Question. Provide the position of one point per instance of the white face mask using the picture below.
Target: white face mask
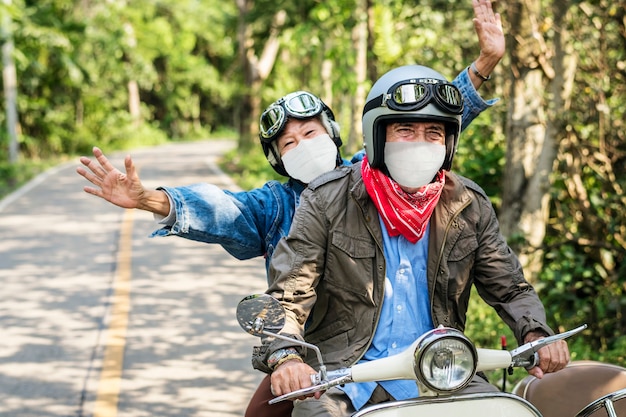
(311, 158)
(414, 164)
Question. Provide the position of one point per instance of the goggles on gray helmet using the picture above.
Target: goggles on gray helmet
(300, 105)
(415, 94)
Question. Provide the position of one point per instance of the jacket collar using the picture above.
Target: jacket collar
(453, 198)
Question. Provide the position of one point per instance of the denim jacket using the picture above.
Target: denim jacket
(246, 224)
(250, 223)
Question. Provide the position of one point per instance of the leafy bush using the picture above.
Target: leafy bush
(250, 170)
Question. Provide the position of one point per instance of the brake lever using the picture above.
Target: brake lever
(526, 355)
(303, 392)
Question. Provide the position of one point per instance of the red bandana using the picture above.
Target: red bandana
(402, 213)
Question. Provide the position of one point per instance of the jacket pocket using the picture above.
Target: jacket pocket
(463, 247)
(460, 263)
(354, 247)
(349, 270)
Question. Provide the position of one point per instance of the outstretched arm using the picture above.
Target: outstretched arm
(488, 26)
(123, 190)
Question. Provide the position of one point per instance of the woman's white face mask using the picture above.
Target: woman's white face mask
(311, 158)
(414, 164)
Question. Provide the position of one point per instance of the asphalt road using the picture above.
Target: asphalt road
(97, 319)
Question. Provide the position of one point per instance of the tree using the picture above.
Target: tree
(9, 80)
(360, 35)
(256, 70)
(531, 147)
(584, 276)
(566, 159)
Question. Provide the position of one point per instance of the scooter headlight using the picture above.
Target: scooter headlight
(445, 360)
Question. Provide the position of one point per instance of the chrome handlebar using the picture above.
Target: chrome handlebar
(526, 355)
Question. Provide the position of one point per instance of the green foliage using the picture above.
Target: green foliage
(74, 65)
(584, 274)
(481, 154)
(409, 34)
(250, 170)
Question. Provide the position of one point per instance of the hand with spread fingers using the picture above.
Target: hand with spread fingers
(122, 189)
(488, 26)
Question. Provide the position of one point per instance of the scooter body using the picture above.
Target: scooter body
(495, 404)
(442, 362)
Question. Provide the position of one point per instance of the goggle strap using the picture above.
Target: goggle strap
(373, 103)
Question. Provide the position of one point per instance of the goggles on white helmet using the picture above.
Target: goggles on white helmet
(300, 105)
(415, 94)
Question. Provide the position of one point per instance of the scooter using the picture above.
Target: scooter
(442, 362)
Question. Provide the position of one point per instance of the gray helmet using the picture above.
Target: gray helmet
(410, 93)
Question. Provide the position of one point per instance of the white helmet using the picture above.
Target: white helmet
(300, 105)
(410, 93)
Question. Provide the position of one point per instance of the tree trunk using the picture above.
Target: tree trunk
(327, 77)
(9, 79)
(372, 70)
(134, 101)
(359, 37)
(535, 125)
(256, 70)
(530, 152)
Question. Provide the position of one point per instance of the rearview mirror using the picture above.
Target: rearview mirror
(260, 312)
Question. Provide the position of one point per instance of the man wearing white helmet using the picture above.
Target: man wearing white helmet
(389, 248)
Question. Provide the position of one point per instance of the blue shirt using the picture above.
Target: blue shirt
(405, 314)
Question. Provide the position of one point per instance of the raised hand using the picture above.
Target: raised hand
(112, 185)
(488, 27)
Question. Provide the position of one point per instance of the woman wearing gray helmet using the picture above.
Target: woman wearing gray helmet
(385, 250)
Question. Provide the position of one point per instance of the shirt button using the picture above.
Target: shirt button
(399, 308)
(393, 345)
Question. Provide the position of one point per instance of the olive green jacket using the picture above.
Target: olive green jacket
(329, 272)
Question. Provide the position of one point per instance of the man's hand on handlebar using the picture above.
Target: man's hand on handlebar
(552, 357)
(291, 376)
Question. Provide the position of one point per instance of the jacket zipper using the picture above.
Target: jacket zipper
(445, 237)
(379, 308)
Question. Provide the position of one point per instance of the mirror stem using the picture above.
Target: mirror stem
(323, 372)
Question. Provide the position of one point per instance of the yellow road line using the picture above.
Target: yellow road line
(113, 361)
